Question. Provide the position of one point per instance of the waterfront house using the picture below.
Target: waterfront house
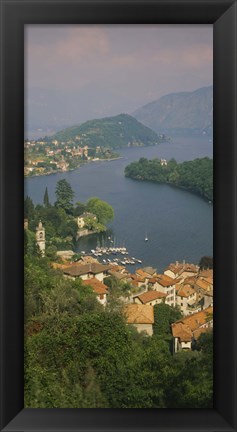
(140, 316)
(81, 219)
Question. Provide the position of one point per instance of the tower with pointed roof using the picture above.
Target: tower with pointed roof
(40, 238)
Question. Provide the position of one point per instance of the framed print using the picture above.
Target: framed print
(123, 47)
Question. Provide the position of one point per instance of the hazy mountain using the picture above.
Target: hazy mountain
(180, 113)
(120, 131)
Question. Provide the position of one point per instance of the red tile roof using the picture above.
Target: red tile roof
(181, 331)
(165, 280)
(149, 296)
(192, 324)
(184, 290)
(97, 286)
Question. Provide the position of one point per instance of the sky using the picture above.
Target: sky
(74, 73)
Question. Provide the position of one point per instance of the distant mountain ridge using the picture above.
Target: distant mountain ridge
(122, 130)
(180, 113)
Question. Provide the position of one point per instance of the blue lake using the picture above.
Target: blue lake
(179, 224)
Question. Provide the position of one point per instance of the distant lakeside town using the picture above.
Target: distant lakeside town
(44, 157)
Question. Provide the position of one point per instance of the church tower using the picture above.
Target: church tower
(40, 238)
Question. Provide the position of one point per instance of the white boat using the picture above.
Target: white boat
(146, 238)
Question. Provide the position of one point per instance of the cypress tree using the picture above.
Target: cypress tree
(46, 198)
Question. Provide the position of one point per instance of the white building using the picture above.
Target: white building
(40, 238)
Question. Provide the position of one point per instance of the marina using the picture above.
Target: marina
(100, 252)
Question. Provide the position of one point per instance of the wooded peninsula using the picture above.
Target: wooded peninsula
(195, 175)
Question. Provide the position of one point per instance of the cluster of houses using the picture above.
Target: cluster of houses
(182, 284)
(55, 153)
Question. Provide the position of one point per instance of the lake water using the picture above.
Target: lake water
(178, 224)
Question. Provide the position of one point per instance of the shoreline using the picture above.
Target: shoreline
(72, 169)
(174, 186)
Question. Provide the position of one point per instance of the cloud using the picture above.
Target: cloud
(133, 59)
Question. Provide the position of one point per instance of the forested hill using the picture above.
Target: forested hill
(196, 175)
(120, 131)
(180, 113)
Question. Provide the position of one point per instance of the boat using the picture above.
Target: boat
(146, 238)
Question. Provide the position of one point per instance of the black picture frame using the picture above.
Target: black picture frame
(14, 15)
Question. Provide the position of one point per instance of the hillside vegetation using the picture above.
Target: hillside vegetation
(180, 113)
(79, 354)
(114, 132)
(196, 175)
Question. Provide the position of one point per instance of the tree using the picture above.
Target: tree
(102, 210)
(79, 209)
(164, 316)
(206, 262)
(46, 198)
(64, 194)
(29, 209)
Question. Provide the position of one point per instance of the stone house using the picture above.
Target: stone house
(81, 219)
(140, 316)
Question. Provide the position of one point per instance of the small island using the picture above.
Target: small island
(195, 176)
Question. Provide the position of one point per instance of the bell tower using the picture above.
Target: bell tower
(40, 238)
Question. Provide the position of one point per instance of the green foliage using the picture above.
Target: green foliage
(46, 198)
(64, 195)
(206, 262)
(110, 132)
(81, 355)
(164, 316)
(59, 220)
(30, 245)
(51, 252)
(79, 209)
(29, 209)
(102, 210)
(196, 175)
(92, 225)
(191, 382)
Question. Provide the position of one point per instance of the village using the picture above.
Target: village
(183, 286)
(46, 156)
